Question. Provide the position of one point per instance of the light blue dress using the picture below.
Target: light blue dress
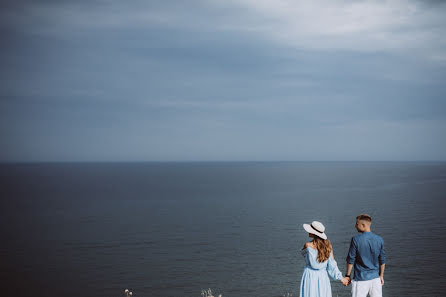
(315, 281)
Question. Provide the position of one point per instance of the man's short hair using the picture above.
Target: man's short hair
(364, 217)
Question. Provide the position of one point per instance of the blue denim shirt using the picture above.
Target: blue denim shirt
(366, 254)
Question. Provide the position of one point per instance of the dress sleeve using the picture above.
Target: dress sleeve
(333, 270)
(314, 263)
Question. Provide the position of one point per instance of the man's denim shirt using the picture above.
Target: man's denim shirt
(366, 253)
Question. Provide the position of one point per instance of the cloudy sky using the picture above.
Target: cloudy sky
(222, 80)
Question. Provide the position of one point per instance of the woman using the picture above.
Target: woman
(319, 264)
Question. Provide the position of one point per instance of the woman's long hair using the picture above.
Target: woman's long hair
(323, 247)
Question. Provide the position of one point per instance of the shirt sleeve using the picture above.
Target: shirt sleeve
(351, 257)
(333, 270)
(382, 255)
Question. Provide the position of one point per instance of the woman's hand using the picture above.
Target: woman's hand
(345, 281)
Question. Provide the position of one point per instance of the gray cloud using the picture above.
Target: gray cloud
(211, 80)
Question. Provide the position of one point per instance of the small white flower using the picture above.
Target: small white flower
(126, 291)
(131, 293)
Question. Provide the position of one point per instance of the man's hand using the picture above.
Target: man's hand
(382, 280)
(345, 281)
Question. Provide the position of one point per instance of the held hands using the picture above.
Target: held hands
(346, 281)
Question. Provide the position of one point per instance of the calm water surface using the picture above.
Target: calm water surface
(173, 229)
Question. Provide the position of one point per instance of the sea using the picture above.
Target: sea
(175, 229)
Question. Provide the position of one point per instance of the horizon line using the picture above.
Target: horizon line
(217, 161)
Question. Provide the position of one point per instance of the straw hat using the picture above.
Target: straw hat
(316, 228)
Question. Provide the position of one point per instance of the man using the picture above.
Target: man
(367, 256)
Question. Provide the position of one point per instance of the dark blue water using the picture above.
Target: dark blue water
(173, 229)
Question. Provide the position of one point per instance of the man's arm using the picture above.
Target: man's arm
(349, 272)
(351, 257)
(381, 273)
(349, 269)
(382, 263)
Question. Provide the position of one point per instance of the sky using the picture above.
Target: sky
(232, 80)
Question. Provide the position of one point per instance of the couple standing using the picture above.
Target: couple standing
(366, 255)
